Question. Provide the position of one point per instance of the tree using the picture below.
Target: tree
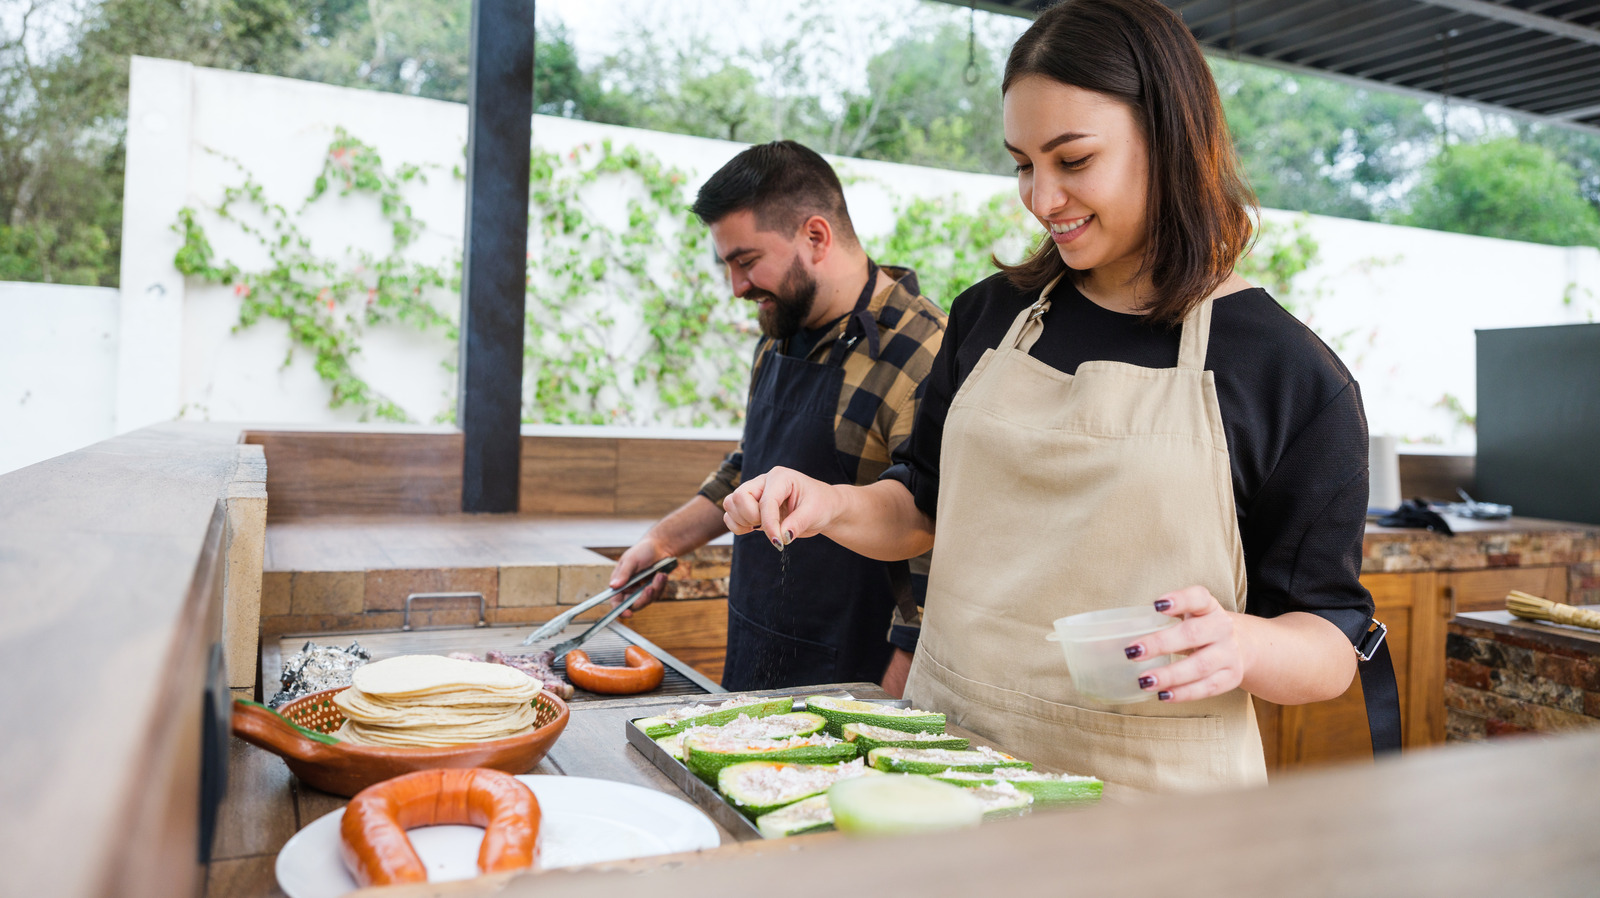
(920, 109)
(1316, 145)
(1504, 188)
(63, 110)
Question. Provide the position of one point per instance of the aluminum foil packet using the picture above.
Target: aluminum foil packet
(318, 667)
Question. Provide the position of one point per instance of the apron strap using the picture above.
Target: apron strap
(1380, 690)
(1196, 336)
(1027, 327)
(860, 320)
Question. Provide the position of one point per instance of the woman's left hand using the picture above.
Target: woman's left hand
(1215, 660)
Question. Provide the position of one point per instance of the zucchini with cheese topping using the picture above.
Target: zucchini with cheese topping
(706, 752)
(1046, 788)
(840, 711)
(866, 737)
(939, 760)
(809, 816)
(680, 719)
(757, 788)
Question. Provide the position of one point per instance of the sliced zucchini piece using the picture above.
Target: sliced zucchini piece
(938, 760)
(841, 711)
(778, 726)
(673, 745)
(1002, 800)
(680, 719)
(873, 805)
(866, 736)
(757, 788)
(809, 816)
(1046, 788)
(705, 754)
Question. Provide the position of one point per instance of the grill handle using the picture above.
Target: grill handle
(405, 622)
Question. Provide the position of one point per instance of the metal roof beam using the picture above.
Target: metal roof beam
(1572, 115)
(1529, 20)
(1430, 96)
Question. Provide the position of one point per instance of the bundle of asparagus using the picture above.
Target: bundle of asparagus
(1534, 608)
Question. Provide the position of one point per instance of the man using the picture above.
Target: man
(833, 391)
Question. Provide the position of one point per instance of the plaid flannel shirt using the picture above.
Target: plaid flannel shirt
(895, 340)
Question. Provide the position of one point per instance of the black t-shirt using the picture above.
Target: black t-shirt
(800, 345)
(1297, 435)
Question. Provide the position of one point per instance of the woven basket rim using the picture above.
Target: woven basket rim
(545, 697)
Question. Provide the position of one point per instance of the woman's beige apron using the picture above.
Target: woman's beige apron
(1062, 493)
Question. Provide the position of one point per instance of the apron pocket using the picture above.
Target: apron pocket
(1159, 754)
(762, 658)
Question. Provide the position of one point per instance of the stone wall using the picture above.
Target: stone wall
(1512, 679)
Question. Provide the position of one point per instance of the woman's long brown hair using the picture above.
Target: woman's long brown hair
(1197, 217)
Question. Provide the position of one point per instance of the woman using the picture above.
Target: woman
(1119, 419)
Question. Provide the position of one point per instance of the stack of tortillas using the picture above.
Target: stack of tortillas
(428, 700)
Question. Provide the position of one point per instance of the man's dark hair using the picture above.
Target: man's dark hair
(783, 183)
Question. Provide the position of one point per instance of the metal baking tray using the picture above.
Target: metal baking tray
(705, 797)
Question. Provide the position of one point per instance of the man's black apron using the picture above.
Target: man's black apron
(821, 614)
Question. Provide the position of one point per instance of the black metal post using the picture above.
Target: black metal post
(499, 132)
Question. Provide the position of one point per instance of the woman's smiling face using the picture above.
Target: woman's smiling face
(1083, 170)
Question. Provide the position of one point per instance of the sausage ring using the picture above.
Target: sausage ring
(643, 673)
(372, 835)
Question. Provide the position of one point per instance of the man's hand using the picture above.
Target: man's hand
(643, 553)
(894, 678)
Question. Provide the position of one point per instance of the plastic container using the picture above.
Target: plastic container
(1094, 642)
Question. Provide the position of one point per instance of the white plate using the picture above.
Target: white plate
(582, 821)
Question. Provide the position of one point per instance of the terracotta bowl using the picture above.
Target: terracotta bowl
(345, 769)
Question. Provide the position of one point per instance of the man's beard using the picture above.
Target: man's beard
(791, 304)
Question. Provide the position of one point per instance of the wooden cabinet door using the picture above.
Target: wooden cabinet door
(1486, 590)
(1336, 730)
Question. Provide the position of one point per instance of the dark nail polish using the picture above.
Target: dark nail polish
(1146, 682)
(1133, 651)
(788, 536)
(1164, 695)
(777, 545)
(1163, 604)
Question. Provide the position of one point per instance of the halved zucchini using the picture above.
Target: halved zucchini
(1046, 788)
(757, 788)
(705, 755)
(866, 736)
(809, 816)
(841, 711)
(939, 760)
(777, 726)
(680, 719)
(899, 804)
(1002, 800)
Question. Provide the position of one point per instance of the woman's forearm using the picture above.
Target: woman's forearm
(1295, 658)
(880, 521)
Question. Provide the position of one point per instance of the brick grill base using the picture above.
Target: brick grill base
(1506, 677)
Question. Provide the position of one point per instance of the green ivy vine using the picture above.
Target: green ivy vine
(326, 302)
(625, 323)
(682, 366)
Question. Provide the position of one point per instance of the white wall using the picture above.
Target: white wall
(58, 360)
(1400, 304)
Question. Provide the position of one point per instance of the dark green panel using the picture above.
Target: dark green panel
(1539, 420)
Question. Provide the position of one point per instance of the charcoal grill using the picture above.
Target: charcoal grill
(606, 647)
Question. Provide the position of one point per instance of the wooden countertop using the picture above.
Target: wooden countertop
(106, 608)
(1533, 633)
(1511, 818)
(266, 805)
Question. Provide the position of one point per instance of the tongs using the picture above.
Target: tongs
(560, 649)
(560, 621)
